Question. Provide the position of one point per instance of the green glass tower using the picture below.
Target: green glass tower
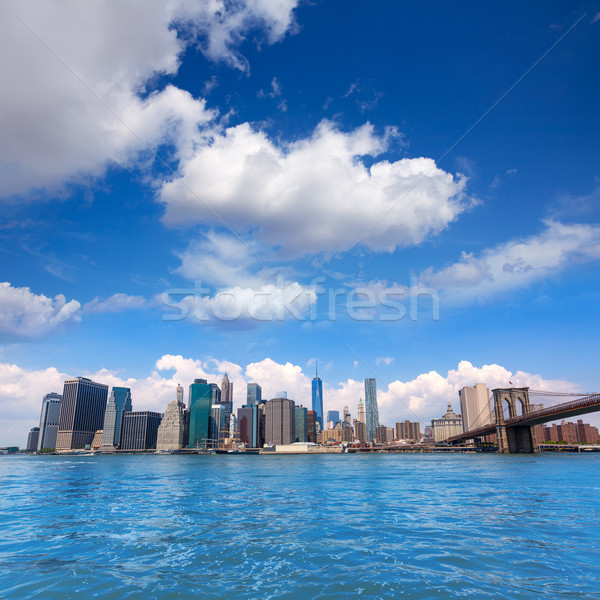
(199, 410)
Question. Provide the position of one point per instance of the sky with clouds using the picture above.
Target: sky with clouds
(410, 193)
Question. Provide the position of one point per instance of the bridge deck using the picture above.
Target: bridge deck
(560, 411)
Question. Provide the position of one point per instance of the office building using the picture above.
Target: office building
(227, 402)
(119, 402)
(32, 439)
(139, 430)
(215, 393)
(408, 430)
(199, 405)
(361, 411)
(81, 413)
(171, 434)
(347, 416)
(333, 417)
(311, 426)
(317, 398)
(280, 421)
(475, 406)
(219, 421)
(49, 421)
(245, 425)
(371, 409)
(450, 424)
(179, 395)
(301, 424)
(253, 394)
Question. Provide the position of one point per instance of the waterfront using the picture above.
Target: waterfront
(371, 526)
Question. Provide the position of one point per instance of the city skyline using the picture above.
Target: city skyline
(179, 203)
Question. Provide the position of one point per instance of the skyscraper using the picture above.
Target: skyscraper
(227, 401)
(199, 413)
(475, 406)
(333, 416)
(81, 413)
(139, 430)
(347, 417)
(49, 421)
(215, 393)
(280, 421)
(172, 428)
(179, 395)
(253, 394)
(301, 424)
(317, 397)
(119, 402)
(361, 411)
(218, 422)
(32, 439)
(371, 409)
(311, 426)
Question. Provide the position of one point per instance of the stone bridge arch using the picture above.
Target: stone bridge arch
(516, 438)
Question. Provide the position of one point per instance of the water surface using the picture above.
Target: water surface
(405, 526)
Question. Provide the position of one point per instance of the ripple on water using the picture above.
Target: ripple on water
(397, 526)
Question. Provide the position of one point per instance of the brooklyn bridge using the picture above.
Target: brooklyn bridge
(514, 431)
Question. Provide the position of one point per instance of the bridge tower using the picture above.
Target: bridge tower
(513, 439)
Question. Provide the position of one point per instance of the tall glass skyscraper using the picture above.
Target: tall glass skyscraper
(119, 402)
(199, 411)
(317, 399)
(371, 409)
(253, 394)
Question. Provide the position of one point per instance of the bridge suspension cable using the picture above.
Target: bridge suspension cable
(561, 394)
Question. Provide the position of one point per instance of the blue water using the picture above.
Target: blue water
(381, 526)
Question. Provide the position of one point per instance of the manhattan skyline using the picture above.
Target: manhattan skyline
(164, 167)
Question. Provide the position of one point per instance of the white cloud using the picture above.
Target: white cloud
(72, 77)
(23, 313)
(517, 263)
(314, 194)
(116, 303)
(384, 360)
(422, 398)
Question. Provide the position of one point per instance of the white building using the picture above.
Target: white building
(475, 406)
(450, 424)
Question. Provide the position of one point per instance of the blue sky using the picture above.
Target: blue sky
(288, 158)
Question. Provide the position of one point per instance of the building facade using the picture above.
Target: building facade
(81, 413)
(371, 409)
(301, 424)
(32, 439)
(475, 406)
(139, 430)
(333, 417)
(172, 429)
(280, 421)
(253, 394)
(199, 399)
(227, 402)
(361, 411)
(311, 426)
(49, 421)
(119, 402)
(360, 431)
(571, 433)
(381, 434)
(450, 424)
(408, 430)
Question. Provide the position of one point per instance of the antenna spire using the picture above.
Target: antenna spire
(316, 369)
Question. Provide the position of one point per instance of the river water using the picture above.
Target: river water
(408, 526)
